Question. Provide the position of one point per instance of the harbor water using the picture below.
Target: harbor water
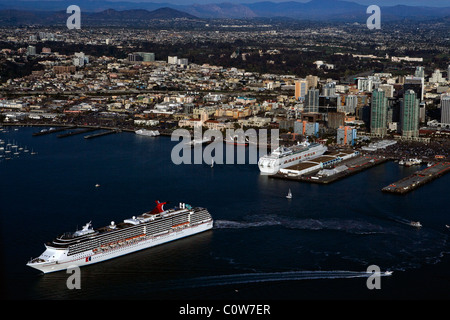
(317, 245)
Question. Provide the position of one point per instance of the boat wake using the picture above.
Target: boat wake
(346, 225)
(243, 278)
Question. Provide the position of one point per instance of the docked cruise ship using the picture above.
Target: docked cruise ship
(88, 245)
(145, 132)
(283, 157)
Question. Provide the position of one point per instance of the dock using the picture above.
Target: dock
(52, 130)
(73, 133)
(323, 170)
(100, 134)
(418, 178)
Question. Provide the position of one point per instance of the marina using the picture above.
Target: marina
(418, 178)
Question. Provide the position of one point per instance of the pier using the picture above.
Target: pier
(100, 134)
(318, 171)
(418, 178)
(52, 130)
(72, 133)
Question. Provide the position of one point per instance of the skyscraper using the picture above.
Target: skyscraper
(378, 113)
(409, 114)
(312, 101)
(416, 84)
(351, 103)
(329, 89)
(420, 72)
(312, 81)
(445, 109)
(301, 87)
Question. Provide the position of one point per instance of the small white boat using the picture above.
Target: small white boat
(388, 273)
(97, 185)
(416, 224)
(289, 195)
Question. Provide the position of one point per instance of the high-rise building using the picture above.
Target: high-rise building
(312, 101)
(147, 56)
(183, 62)
(420, 72)
(306, 128)
(329, 89)
(445, 109)
(436, 77)
(416, 84)
(312, 81)
(365, 84)
(422, 112)
(346, 135)
(31, 50)
(80, 59)
(378, 113)
(134, 57)
(409, 114)
(351, 103)
(388, 89)
(172, 60)
(301, 87)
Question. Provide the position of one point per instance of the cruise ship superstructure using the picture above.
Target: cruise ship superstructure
(149, 133)
(283, 157)
(88, 246)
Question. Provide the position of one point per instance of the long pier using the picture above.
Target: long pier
(348, 167)
(72, 133)
(418, 178)
(100, 134)
(52, 130)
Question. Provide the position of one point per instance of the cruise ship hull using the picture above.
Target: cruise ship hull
(91, 257)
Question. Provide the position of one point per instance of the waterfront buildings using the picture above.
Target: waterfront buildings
(346, 135)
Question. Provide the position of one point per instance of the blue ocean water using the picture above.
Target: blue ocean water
(317, 245)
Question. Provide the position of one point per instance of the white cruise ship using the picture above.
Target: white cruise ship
(283, 157)
(145, 132)
(89, 246)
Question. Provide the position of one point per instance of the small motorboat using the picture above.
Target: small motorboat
(416, 224)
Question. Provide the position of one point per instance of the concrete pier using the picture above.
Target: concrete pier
(418, 178)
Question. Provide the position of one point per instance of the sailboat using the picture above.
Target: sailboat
(289, 195)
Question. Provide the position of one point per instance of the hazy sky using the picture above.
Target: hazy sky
(434, 3)
(429, 3)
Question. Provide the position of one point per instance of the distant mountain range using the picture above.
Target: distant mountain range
(15, 12)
